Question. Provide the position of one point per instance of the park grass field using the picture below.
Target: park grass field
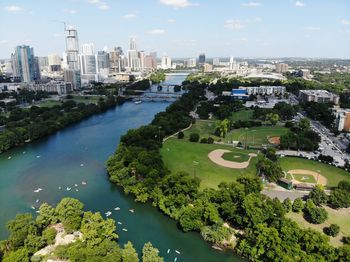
(243, 115)
(86, 99)
(235, 156)
(49, 103)
(256, 136)
(182, 155)
(204, 128)
(333, 174)
(334, 217)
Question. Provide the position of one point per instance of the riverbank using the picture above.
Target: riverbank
(27, 125)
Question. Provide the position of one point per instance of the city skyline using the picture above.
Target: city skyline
(176, 27)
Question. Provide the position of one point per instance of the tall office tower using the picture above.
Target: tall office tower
(24, 65)
(133, 44)
(166, 62)
(154, 55)
(134, 62)
(87, 61)
(115, 60)
(150, 62)
(216, 61)
(54, 63)
(191, 62)
(43, 62)
(142, 60)
(87, 49)
(233, 64)
(72, 51)
(201, 59)
(102, 59)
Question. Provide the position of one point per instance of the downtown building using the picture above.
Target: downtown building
(25, 66)
(87, 60)
(72, 73)
(318, 96)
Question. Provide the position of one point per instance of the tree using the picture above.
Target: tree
(95, 229)
(69, 212)
(332, 230)
(46, 215)
(194, 137)
(19, 229)
(314, 214)
(304, 124)
(271, 170)
(49, 235)
(180, 135)
(298, 205)
(272, 118)
(20, 255)
(129, 253)
(150, 254)
(287, 204)
(222, 127)
(318, 196)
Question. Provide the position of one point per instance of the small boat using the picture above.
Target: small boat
(75, 185)
(168, 251)
(81, 164)
(59, 188)
(77, 189)
(124, 229)
(120, 223)
(175, 259)
(138, 102)
(9, 158)
(108, 213)
(68, 188)
(38, 156)
(117, 208)
(37, 190)
(23, 152)
(37, 211)
(178, 252)
(83, 183)
(33, 207)
(132, 210)
(37, 201)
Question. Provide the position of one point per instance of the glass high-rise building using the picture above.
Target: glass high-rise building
(201, 58)
(25, 65)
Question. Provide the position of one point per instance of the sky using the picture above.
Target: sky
(183, 28)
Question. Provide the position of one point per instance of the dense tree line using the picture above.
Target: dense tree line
(27, 235)
(320, 112)
(268, 236)
(157, 77)
(137, 85)
(36, 122)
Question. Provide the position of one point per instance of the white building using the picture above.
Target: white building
(265, 90)
(166, 62)
(191, 62)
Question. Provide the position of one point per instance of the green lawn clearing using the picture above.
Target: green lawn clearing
(243, 115)
(204, 128)
(87, 99)
(256, 136)
(339, 217)
(49, 103)
(333, 174)
(182, 155)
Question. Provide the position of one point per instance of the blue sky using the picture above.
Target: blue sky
(183, 28)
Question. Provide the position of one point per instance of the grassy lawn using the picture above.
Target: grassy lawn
(182, 155)
(204, 128)
(339, 217)
(243, 115)
(86, 99)
(333, 174)
(236, 156)
(48, 103)
(256, 136)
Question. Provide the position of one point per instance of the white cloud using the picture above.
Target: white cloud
(100, 4)
(103, 6)
(171, 21)
(312, 28)
(94, 1)
(345, 22)
(156, 32)
(243, 39)
(234, 24)
(129, 16)
(177, 3)
(13, 8)
(251, 4)
(72, 11)
(299, 4)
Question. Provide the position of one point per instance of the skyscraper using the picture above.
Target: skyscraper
(115, 60)
(87, 61)
(134, 62)
(24, 65)
(54, 62)
(201, 59)
(72, 50)
(166, 62)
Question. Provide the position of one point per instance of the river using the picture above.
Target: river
(78, 153)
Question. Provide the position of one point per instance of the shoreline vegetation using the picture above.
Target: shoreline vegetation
(67, 233)
(26, 125)
(236, 215)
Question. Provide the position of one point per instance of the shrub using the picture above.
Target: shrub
(314, 214)
(287, 204)
(204, 140)
(332, 230)
(346, 240)
(298, 205)
(194, 137)
(180, 135)
(210, 140)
